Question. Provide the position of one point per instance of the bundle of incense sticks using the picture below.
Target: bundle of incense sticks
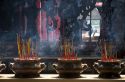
(68, 51)
(107, 51)
(25, 50)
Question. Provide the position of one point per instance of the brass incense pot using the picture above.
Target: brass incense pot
(28, 63)
(109, 69)
(69, 65)
(27, 67)
(69, 68)
(109, 66)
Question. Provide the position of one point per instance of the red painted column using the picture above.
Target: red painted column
(41, 21)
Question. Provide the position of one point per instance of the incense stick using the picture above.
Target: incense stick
(68, 50)
(25, 51)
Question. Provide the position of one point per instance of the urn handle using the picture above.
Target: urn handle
(122, 65)
(43, 66)
(55, 66)
(11, 65)
(96, 65)
(84, 66)
(3, 66)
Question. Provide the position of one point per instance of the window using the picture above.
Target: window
(95, 26)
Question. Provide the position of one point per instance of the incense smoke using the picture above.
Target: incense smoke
(46, 21)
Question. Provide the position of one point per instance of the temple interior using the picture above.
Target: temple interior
(85, 33)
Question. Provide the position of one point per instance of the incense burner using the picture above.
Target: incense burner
(69, 68)
(28, 68)
(109, 69)
(2, 66)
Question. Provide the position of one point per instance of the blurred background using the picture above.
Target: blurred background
(49, 22)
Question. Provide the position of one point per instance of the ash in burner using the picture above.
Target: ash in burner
(26, 49)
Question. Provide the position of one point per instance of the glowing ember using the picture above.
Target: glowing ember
(68, 51)
(25, 50)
